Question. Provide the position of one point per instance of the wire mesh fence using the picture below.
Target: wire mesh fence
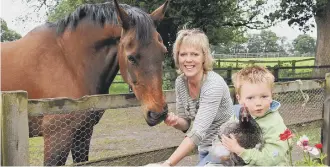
(120, 132)
(302, 113)
(122, 136)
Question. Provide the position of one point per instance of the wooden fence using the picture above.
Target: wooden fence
(259, 55)
(16, 108)
(280, 73)
(278, 62)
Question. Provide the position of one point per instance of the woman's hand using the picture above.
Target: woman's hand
(171, 119)
(231, 144)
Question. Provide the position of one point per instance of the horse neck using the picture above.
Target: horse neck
(97, 69)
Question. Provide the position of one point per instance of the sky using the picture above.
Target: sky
(11, 10)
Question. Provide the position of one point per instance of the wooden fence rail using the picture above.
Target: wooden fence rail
(16, 108)
(279, 62)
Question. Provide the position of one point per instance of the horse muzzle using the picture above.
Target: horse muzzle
(154, 118)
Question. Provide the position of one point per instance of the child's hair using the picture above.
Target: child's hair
(253, 74)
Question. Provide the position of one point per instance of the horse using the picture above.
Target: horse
(80, 55)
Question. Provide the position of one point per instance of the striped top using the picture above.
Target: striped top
(215, 108)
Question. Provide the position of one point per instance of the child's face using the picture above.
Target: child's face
(256, 97)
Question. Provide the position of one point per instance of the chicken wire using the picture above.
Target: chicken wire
(124, 131)
(302, 113)
(120, 132)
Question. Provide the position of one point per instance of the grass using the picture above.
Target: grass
(118, 88)
(36, 151)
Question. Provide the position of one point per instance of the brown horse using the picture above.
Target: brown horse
(81, 55)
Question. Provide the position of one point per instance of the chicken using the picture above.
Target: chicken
(247, 133)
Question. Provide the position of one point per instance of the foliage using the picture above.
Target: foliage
(222, 21)
(302, 13)
(298, 12)
(304, 44)
(285, 45)
(266, 41)
(234, 45)
(218, 19)
(8, 34)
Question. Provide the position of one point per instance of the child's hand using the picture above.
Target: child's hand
(231, 144)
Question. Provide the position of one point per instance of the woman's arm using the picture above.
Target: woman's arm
(186, 146)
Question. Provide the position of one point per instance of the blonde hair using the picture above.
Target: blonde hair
(193, 37)
(253, 74)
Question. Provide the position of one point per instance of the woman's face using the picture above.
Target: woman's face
(191, 60)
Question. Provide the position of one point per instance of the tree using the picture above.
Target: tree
(213, 17)
(269, 40)
(7, 34)
(234, 44)
(304, 44)
(254, 44)
(300, 13)
(285, 46)
(266, 41)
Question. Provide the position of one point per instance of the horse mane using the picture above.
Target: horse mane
(106, 13)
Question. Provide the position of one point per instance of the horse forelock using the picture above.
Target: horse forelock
(143, 24)
(105, 13)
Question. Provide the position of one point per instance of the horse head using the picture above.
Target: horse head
(141, 52)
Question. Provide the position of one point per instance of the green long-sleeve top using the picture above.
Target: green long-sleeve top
(274, 150)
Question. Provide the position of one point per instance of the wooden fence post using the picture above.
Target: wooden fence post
(14, 129)
(294, 68)
(326, 120)
(229, 73)
(276, 73)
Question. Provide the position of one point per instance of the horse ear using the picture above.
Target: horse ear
(158, 14)
(122, 16)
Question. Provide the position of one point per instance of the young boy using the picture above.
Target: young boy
(253, 87)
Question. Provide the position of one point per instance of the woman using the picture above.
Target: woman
(202, 96)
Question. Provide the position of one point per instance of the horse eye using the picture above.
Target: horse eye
(132, 59)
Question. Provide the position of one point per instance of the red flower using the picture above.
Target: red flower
(286, 135)
(319, 146)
